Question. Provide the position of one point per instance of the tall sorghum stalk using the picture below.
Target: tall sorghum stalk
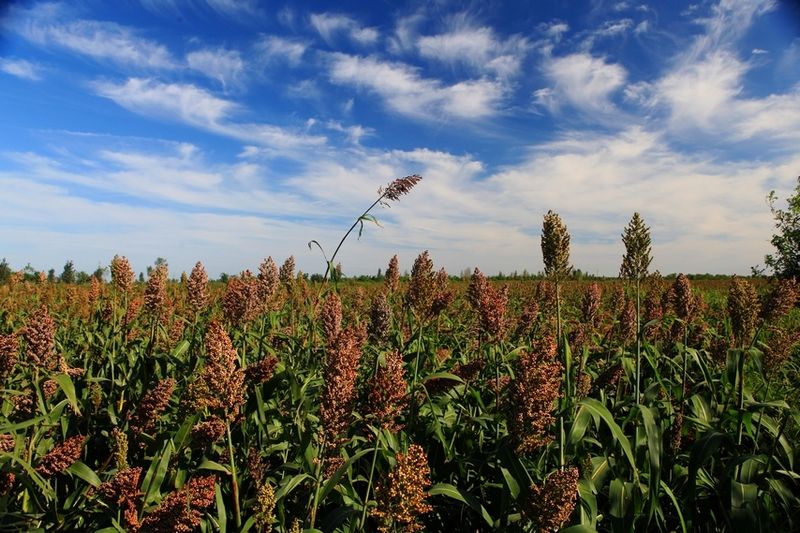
(743, 309)
(393, 192)
(684, 305)
(555, 254)
(635, 263)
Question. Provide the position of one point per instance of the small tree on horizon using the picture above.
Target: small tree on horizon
(785, 261)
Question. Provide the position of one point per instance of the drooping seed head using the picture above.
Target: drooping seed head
(61, 457)
(399, 187)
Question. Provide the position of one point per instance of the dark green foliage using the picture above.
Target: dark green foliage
(785, 261)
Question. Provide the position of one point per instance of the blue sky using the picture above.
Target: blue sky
(226, 131)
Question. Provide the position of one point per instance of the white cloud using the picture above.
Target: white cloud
(225, 66)
(476, 47)
(354, 133)
(405, 91)
(186, 103)
(583, 81)
(44, 25)
(698, 93)
(275, 48)
(555, 30)
(199, 108)
(609, 29)
(704, 91)
(330, 26)
(20, 68)
(405, 33)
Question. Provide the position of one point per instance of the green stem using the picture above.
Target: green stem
(638, 339)
(369, 485)
(237, 514)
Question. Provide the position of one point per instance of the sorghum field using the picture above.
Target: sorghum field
(422, 404)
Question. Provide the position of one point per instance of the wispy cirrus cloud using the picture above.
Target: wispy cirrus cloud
(197, 107)
(223, 65)
(331, 25)
(49, 25)
(477, 47)
(274, 48)
(20, 68)
(405, 91)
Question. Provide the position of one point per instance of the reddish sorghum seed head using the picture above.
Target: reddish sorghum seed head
(421, 287)
(528, 318)
(627, 321)
(393, 275)
(590, 304)
(220, 384)
(39, 335)
(286, 272)
(241, 302)
(156, 290)
(61, 457)
(268, 280)
(340, 373)
(330, 316)
(477, 286)
(387, 393)
(780, 300)
(399, 187)
(609, 378)
(24, 405)
(550, 505)
(152, 404)
(533, 392)
(743, 308)
(9, 353)
(208, 432)
(197, 289)
(443, 295)
(401, 496)
(779, 348)
(121, 274)
(380, 318)
(122, 488)
(683, 302)
(261, 371)
(95, 286)
(492, 308)
(7, 442)
(49, 388)
(182, 509)
(7, 480)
